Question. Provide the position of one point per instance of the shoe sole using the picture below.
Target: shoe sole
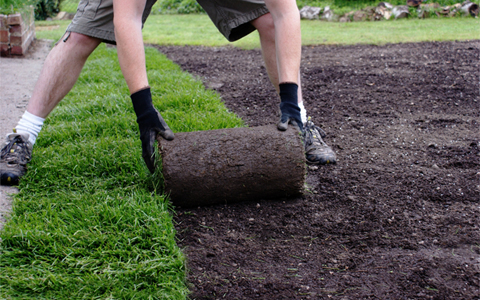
(322, 162)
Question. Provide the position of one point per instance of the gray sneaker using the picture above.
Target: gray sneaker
(316, 150)
(14, 158)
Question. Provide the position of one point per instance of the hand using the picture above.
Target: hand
(150, 125)
(289, 110)
(290, 113)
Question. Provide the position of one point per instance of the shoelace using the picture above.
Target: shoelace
(21, 146)
(310, 135)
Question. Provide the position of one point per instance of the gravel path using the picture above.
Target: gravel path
(17, 78)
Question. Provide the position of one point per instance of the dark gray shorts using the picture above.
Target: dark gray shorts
(232, 17)
(95, 18)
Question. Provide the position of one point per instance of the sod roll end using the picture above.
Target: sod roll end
(233, 165)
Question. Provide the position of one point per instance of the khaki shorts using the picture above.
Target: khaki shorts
(232, 17)
(95, 18)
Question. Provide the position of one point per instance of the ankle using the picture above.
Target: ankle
(31, 125)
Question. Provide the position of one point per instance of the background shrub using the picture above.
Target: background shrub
(364, 3)
(191, 6)
(11, 6)
(46, 9)
(177, 7)
(49, 8)
(43, 8)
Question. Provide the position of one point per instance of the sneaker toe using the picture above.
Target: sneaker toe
(8, 178)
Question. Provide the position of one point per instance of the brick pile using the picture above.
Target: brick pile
(17, 31)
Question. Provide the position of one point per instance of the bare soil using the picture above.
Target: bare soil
(396, 218)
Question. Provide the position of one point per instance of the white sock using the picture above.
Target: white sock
(303, 112)
(30, 124)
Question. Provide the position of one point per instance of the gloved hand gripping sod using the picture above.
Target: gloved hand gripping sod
(150, 123)
(290, 112)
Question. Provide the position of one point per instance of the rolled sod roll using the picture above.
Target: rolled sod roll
(233, 165)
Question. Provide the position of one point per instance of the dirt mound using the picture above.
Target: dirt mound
(398, 216)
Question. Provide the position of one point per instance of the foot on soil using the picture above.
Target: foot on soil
(316, 150)
(14, 158)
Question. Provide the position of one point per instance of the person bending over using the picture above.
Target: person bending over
(278, 24)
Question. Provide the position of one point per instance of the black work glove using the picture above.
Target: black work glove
(150, 123)
(289, 110)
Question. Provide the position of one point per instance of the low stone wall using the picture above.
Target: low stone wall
(17, 31)
(386, 11)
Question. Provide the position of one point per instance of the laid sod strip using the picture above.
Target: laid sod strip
(87, 223)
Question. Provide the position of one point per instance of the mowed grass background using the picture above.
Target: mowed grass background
(90, 221)
(199, 30)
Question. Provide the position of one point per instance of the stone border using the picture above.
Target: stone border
(17, 31)
(386, 11)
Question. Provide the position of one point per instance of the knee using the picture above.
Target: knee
(265, 26)
(80, 42)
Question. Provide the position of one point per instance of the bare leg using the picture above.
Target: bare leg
(128, 33)
(316, 150)
(266, 31)
(288, 41)
(60, 72)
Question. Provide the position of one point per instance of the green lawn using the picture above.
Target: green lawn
(89, 221)
(199, 30)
